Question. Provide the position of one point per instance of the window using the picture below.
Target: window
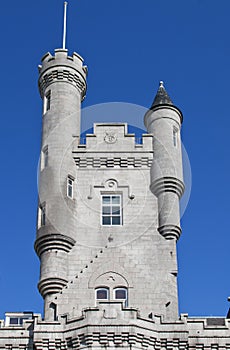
(41, 215)
(16, 318)
(121, 294)
(47, 102)
(111, 210)
(70, 182)
(17, 321)
(116, 294)
(102, 294)
(44, 157)
(175, 136)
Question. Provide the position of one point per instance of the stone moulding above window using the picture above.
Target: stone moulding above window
(111, 186)
(111, 275)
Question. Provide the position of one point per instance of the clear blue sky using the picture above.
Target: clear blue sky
(128, 46)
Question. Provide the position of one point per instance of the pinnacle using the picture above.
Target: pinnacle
(162, 96)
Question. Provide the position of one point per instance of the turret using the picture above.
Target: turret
(163, 121)
(62, 85)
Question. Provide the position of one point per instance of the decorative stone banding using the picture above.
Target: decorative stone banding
(53, 241)
(51, 285)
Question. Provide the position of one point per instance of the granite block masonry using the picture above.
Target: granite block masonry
(107, 229)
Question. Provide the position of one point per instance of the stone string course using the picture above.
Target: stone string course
(113, 162)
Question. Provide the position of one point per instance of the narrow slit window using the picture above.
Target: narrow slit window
(47, 102)
(175, 137)
(42, 215)
(111, 210)
(46, 156)
(70, 184)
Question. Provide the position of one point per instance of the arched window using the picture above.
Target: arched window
(102, 294)
(121, 294)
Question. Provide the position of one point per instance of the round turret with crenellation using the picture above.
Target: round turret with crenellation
(62, 85)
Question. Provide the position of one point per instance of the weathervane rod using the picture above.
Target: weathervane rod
(64, 25)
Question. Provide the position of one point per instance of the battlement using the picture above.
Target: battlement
(61, 57)
(115, 137)
(62, 67)
(105, 148)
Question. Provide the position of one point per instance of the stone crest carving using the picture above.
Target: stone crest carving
(110, 136)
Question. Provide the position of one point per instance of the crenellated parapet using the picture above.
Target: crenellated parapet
(105, 148)
(110, 325)
(62, 68)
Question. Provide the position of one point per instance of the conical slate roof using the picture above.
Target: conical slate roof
(161, 97)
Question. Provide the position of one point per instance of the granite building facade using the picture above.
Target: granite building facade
(107, 228)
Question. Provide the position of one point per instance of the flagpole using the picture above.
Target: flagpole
(64, 26)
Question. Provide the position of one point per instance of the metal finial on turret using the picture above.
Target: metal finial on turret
(161, 83)
(64, 25)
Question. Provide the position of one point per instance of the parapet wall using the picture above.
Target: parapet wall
(62, 67)
(111, 326)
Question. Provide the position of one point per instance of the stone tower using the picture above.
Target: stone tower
(108, 214)
(62, 85)
(107, 227)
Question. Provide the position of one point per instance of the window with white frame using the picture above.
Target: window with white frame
(121, 294)
(47, 102)
(116, 294)
(111, 210)
(102, 294)
(69, 188)
(42, 215)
